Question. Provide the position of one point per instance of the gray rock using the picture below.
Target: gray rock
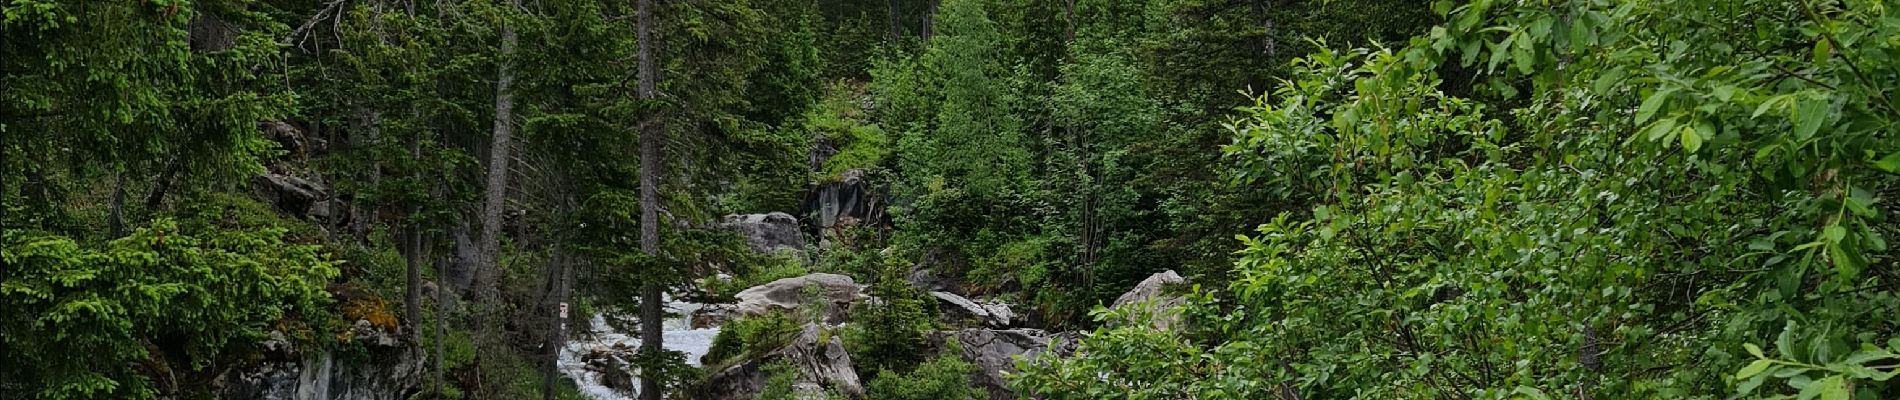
(1150, 294)
(768, 232)
(958, 309)
(848, 198)
(710, 316)
(1000, 314)
(615, 365)
(835, 292)
(994, 352)
(388, 374)
(369, 334)
(822, 365)
(289, 194)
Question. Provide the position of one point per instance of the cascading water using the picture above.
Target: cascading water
(678, 336)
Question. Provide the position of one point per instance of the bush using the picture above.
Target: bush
(153, 308)
(945, 378)
(888, 334)
(752, 336)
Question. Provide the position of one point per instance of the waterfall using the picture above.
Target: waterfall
(678, 336)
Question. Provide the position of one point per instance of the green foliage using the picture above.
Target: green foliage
(771, 268)
(838, 120)
(887, 335)
(780, 376)
(946, 377)
(1665, 196)
(753, 336)
(161, 302)
(971, 136)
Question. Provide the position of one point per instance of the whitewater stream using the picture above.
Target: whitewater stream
(679, 336)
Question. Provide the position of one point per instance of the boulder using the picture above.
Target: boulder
(1150, 293)
(835, 292)
(710, 316)
(614, 363)
(957, 309)
(768, 232)
(820, 361)
(289, 194)
(994, 351)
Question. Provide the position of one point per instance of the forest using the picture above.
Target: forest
(949, 199)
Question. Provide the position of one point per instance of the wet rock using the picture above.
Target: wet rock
(994, 351)
(615, 366)
(766, 233)
(819, 360)
(1150, 293)
(835, 292)
(710, 316)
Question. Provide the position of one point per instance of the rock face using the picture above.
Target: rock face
(289, 193)
(836, 292)
(1150, 293)
(821, 365)
(993, 352)
(389, 374)
(960, 309)
(849, 197)
(766, 232)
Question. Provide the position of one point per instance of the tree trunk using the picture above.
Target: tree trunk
(157, 196)
(650, 340)
(557, 289)
(487, 266)
(930, 18)
(1264, 8)
(441, 314)
(413, 254)
(118, 205)
(896, 29)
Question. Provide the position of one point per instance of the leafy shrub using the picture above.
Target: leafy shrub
(141, 309)
(778, 382)
(766, 269)
(1662, 205)
(751, 336)
(946, 377)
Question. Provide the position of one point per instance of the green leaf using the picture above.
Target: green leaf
(1753, 350)
(1531, 392)
(1770, 103)
(1692, 137)
(1808, 116)
(1661, 128)
(1834, 233)
(1833, 388)
(1822, 50)
(1753, 368)
(1521, 54)
(1890, 164)
(1651, 104)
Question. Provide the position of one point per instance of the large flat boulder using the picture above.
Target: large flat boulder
(819, 360)
(832, 291)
